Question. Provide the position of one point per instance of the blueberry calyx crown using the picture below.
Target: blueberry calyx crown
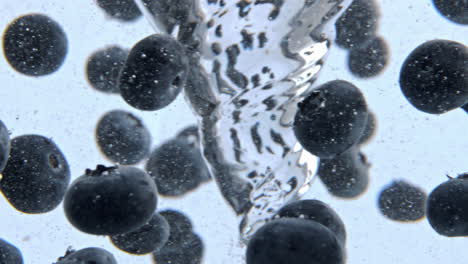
(99, 171)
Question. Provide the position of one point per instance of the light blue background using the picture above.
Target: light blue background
(409, 144)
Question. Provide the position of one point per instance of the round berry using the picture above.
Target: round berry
(368, 59)
(103, 68)
(294, 241)
(111, 200)
(346, 175)
(122, 137)
(357, 24)
(9, 254)
(447, 207)
(35, 45)
(401, 201)
(176, 167)
(148, 238)
(90, 255)
(434, 77)
(36, 175)
(154, 73)
(123, 10)
(454, 10)
(331, 119)
(317, 211)
(180, 227)
(191, 251)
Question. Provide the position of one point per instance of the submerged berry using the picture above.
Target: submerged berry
(346, 175)
(317, 211)
(154, 73)
(331, 119)
(35, 45)
(90, 255)
(9, 254)
(123, 10)
(122, 137)
(294, 241)
(433, 77)
(36, 175)
(103, 68)
(369, 59)
(111, 200)
(148, 238)
(401, 201)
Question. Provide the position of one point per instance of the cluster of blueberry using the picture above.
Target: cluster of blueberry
(332, 123)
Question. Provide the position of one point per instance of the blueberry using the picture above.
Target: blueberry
(36, 175)
(148, 238)
(357, 24)
(9, 254)
(170, 13)
(294, 241)
(434, 77)
(180, 228)
(123, 10)
(90, 255)
(190, 252)
(317, 211)
(154, 73)
(122, 137)
(368, 59)
(4, 145)
(369, 130)
(176, 167)
(454, 10)
(35, 45)
(103, 68)
(346, 175)
(191, 135)
(331, 119)
(447, 207)
(402, 201)
(111, 200)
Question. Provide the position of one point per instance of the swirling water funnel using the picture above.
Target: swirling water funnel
(252, 61)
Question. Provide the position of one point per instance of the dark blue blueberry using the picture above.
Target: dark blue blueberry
(148, 238)
(103, 68)
(402, 201)
(111, 200)
(36, 175)
(180, 228)
(35, 45)
(123, 10)
(90, 255)
(369, 59)
(434, 77)
(454, 10)
(191, 135)
(357, 24)
(331, 119)
(346, 175)
(447, 207)
(154, 73)
(190, 252)
(170, 13)
(4, 145)
(9, 254)
(176, 167)
(294, 241)
(317, 211)
(122, 137)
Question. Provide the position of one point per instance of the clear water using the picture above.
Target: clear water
(409, 144)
